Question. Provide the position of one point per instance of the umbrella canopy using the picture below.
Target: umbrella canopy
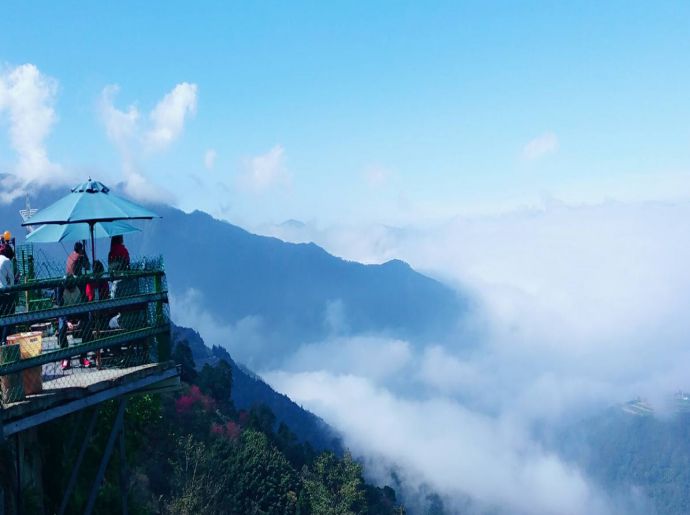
(79, 231)
(90, 202)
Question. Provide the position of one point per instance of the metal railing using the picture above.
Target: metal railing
(53, 337)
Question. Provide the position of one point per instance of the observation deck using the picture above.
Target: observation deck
(123, 333)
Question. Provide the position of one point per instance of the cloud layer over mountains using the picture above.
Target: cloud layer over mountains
(577, 308)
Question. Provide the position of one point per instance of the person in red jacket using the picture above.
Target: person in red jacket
(118, 261)
(118, 257)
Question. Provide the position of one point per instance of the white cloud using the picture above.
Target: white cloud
(266, 171)
(27, 99)
(210, 159)
(540, 146)
(439, 442)
(366, 355)
(142, 188)
(169, 115)
(135, 139)
(121, 126)
(447, 373)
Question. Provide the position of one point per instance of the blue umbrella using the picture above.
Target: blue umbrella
(90, 203)
(50, 233)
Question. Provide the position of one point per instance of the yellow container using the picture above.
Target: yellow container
(30, 345)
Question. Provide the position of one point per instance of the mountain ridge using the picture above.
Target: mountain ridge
(289, 294)
(249, 390)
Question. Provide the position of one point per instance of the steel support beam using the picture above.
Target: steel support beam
(77, 464)
(117, 428)
(124, 475)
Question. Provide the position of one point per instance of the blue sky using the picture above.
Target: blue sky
(385, 111)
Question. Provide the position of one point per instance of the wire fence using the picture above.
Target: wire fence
(62, 332)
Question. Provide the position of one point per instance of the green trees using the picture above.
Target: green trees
(264, 481)
(216, 381)
(182, 355)
(192, 452)
(195, 485)
(335, 486)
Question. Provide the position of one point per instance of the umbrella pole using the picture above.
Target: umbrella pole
(93, 246)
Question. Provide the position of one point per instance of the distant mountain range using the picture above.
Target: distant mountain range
(288, 294)
(297, 292)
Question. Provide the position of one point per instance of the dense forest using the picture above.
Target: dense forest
(248, 390)
(642, 460)
(192, 452)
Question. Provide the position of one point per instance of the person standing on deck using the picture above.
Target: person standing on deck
(72, 295)
(77, 262)
(6, 267)
(118, 257)
(7, 300)
(118, 261)
(97, 289)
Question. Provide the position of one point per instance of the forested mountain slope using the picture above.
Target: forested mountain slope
(635, 455)
(248, 391)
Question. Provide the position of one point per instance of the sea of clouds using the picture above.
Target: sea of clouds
(576, 309)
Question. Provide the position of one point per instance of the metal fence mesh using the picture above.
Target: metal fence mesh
(72, 332)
